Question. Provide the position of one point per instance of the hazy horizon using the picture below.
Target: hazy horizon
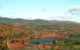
(63, 10)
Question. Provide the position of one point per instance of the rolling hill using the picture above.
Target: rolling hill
(35, 22)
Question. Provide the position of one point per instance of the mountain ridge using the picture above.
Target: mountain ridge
(35, 21)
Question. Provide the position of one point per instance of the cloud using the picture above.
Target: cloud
(71, 14)
(74, 10)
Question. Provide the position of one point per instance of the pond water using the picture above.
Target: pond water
(45, 40)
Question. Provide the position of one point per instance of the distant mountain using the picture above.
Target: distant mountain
(34, 22)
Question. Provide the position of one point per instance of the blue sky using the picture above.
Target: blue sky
(41, 9)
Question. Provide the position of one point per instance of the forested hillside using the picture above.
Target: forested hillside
(23, 34)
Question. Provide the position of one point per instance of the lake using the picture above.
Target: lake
(45, 40)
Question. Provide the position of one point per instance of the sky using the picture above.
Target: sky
(66, 10)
